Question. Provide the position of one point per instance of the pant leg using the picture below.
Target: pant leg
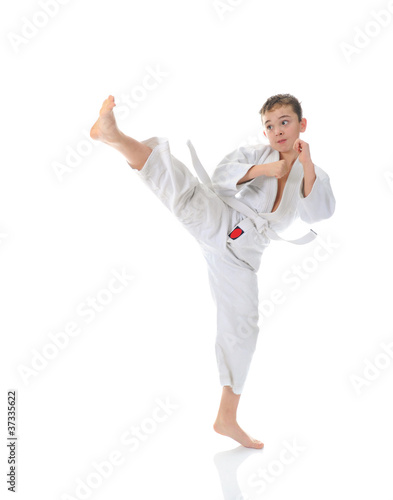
(196, 207)
(233, 281)
(234, 287)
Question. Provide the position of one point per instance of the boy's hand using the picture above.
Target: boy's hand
(277, 169)
(303, 149)
(282, 168)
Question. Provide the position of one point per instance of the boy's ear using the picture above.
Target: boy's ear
(264, 133)
(303, 125)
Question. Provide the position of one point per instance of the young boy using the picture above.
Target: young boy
(273, 185)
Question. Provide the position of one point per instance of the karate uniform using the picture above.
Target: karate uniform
(233, 224)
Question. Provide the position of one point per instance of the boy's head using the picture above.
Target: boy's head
(282, 120)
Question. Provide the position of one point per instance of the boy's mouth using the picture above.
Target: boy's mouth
(282, 141)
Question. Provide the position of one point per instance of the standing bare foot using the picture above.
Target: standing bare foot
(232, 429)
(226, 421)
(105, 128)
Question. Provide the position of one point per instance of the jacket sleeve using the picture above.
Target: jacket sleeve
(233, 167)
(320, 202)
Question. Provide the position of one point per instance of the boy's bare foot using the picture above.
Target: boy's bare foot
(234, 431)
(105, 128)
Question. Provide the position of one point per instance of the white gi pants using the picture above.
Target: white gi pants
(232, 273)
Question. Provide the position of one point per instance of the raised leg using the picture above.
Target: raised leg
(106, 130)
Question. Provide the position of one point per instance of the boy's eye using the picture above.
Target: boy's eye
(284, 122)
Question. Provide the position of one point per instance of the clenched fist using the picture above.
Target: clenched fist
(277, 169)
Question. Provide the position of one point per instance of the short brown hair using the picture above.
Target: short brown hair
(282, 100)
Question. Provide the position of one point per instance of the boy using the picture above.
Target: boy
(274, 185)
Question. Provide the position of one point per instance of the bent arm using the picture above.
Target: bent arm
(319, 203)
(258, 170)
(236, 165)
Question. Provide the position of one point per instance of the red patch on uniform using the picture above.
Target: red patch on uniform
(236, 233)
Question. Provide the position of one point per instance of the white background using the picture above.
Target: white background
(63, 235)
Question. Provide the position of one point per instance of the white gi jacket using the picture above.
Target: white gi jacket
(260, 193)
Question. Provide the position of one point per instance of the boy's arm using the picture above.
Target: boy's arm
(234, 168)
(309, 178)
(304, 157)
(317, 201)
(319, 204)
(275, 169)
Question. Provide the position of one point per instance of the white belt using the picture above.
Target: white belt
(253, 217)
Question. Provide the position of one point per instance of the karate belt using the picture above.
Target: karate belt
(253, 218)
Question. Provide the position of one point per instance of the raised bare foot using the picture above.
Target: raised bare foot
(234, 431)
(105, 128)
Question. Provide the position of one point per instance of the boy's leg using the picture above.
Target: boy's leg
(105, 130)
(226, 421)
(200, 211)
(234, 287)
(235, 292)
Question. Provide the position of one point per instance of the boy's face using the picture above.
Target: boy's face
(282, 128)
